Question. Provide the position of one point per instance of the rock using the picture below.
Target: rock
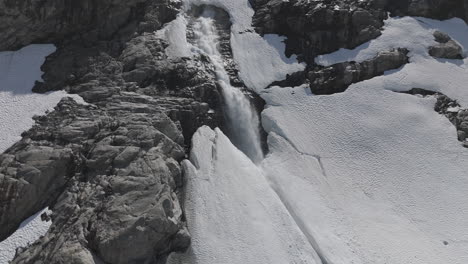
(337, 78)
(441, 37)
(449, 108)
(317, 27)
(447, 50)
(462, 135)
(438, 9)
(25, 22)
(109, 170)
(446, 47)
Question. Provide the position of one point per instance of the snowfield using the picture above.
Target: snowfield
(18, 72)
(362, 177)
(233, 214)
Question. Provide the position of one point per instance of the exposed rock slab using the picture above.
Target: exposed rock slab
(338, 77)
(446, 48)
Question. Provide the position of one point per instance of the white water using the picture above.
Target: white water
(242, 119)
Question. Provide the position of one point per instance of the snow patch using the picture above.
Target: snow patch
(18, 72)
(29, 231)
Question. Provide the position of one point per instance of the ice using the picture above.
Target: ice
(242, 119)
(233, 214)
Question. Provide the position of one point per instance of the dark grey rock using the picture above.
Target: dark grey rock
(88, 21)
(109, 170)
(338, 77)
(447, 48)
(317, 27)
(438, 9)
(441, 37)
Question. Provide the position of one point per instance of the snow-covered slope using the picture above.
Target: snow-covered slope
(367, 176)
(29, 231)
(233, 214)
(18, 72)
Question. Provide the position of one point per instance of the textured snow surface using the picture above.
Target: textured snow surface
(447, 76)
(18, 72)
(367, 176)
(233, 214)
(391, 182)
(29, 231)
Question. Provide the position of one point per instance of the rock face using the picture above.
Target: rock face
(447, 47)
(24, 22)
(317, 27)
(109, 170)
(114, 176)
(439, 9)
(338, 77)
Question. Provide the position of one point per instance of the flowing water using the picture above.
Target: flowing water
(242, 120)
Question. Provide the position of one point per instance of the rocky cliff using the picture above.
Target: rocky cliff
(109, 170)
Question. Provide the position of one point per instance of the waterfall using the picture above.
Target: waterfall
(242, 120)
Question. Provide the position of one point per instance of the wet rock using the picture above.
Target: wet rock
(338, 77)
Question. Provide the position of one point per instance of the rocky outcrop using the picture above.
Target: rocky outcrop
(109, 170)
(446, 48)
(450, 109)
(115, 175)
(438, 9)
(33, 21)
(338, 77)
(317, 27)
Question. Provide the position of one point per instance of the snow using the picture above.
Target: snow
(175, 33)
(362, 177)
(424, 71)
(18, 72)
(242, 120)
(391, 181)
(261, 60)
(29, 231)
(233, 214)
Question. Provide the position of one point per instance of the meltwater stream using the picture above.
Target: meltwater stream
(242, 119)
